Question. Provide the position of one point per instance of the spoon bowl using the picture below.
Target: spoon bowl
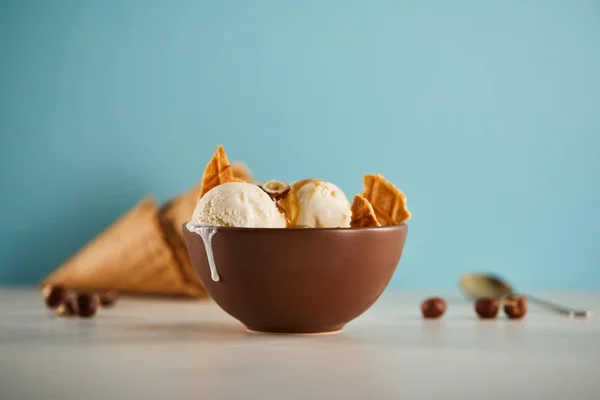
(476, 285)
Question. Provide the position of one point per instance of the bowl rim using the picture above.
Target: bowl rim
(296, 229)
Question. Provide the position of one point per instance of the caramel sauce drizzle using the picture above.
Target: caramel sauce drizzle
(289, 206)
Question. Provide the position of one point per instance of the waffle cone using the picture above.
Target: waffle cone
(363, 214)
(173, 215)
(388, 202)
(217, 171)
(241, 171)
(131, 256)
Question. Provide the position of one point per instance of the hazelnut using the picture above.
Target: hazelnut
(433, 307)
(86, 304)
(108, 299)
(487, 307)
(515, 307)
(277, 190)
(67, 309)
(54, 296)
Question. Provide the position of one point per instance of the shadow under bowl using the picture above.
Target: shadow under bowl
(298, 280)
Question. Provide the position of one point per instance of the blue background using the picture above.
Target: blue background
(486, 113)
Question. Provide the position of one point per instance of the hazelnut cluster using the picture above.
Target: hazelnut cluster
(515, 307)
(81, 304)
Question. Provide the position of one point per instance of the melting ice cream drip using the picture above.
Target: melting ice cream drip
(207, 233)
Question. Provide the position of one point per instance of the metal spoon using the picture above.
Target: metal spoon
(483, 285)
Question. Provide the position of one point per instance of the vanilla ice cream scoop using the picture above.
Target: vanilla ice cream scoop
(317, 204)
(238, 204)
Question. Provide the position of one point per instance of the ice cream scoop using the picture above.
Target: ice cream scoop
(237, 204)
(316, 203)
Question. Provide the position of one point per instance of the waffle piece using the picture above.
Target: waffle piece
(363, 214)
(388, 202)
(217, 171)
(131, 256)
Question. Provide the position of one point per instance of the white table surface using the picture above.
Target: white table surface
(156, 349)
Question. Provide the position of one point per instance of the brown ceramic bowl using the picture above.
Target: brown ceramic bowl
(298, 280)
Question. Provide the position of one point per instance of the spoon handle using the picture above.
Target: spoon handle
(558, 308)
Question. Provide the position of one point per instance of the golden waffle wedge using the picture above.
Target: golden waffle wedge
(131, 256)
(217, 171)
(388, 202)
(362, 213)
(241, 171)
